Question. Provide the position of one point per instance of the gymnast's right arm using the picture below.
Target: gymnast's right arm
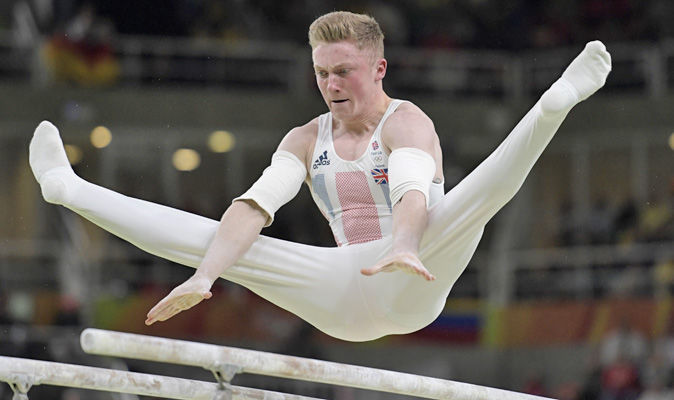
(241, 224)
(252, 211)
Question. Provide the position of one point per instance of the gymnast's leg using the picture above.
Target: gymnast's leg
(166, 232)
(163, 231)
(475, 200)
(315, 283)
(456, 222)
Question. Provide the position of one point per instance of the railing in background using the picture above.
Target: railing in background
(592, 271)
(640, 67)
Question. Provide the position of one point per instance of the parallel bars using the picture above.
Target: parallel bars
(23, 373)
(229, 361)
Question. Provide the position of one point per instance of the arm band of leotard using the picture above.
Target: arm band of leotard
(409, 169)
(278, 184)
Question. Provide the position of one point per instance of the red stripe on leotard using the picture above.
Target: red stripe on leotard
(359, 212)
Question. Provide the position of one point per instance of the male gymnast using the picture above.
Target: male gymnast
(373, 165)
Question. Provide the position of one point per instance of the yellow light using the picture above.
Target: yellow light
(671, 141)
(221, 141)
(186, 160)
(100, 137)
(73, 153)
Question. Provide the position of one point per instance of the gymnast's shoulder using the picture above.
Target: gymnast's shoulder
(409, 126)
(301, 140)
(409, 113)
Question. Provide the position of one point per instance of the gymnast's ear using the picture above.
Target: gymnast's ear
(380, 69)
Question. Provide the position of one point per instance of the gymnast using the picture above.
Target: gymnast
(373, 165)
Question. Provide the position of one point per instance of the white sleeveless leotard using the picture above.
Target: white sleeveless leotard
(354, 195)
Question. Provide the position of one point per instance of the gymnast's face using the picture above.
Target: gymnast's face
(350, 79)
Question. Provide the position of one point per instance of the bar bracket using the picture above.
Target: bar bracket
(20, 385)
(224, 373)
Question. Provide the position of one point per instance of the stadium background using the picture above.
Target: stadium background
(183, 102)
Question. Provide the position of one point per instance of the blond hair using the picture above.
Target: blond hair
(343, 25)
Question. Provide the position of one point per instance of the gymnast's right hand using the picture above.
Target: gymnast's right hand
(185, 296)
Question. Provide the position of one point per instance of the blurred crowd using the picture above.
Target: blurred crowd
(616, 241)
(624, 223)
(80, 51)
(81, 31)
(516, 24)
(626, 365)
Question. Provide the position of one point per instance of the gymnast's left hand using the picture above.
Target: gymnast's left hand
(406, 261)
(185, 296)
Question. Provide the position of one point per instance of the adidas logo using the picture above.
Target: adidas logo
(321, 160)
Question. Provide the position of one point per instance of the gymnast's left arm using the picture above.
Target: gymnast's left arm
(411, 137)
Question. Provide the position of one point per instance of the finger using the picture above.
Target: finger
(427, 275)
(181, 302)
(372, 270)
(156, 310)
(161, 309)
(164, 314)
(170, 312)
(154, 316)
(387, 267)
(417, 267)
(421, 270)
(171, 306)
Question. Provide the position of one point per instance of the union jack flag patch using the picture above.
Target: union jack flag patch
(375, 145)
(380, 175)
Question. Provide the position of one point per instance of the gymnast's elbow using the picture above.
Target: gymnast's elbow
(250, 210)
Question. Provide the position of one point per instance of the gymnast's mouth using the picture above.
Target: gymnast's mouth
(340, 101)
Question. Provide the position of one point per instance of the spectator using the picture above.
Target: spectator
(82, 54)
(656, 222)
(600, 225)
(625, 223)
(68, 312)
(620, 380)
(623, 343)
(655, 377)
(663, 277)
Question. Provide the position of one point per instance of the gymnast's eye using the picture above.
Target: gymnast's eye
(322, 74)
